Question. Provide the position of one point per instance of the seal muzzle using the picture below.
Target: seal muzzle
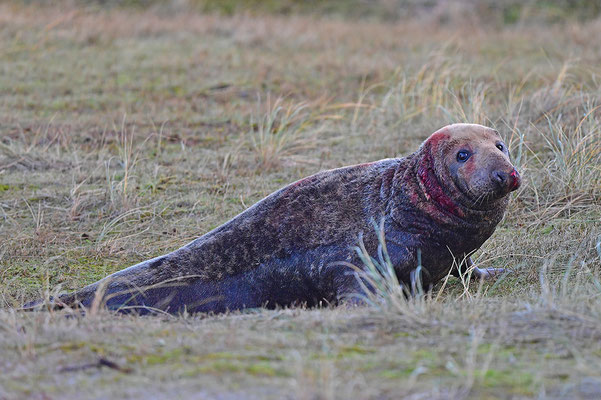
(506, 182)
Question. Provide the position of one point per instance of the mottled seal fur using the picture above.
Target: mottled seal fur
(444, 200)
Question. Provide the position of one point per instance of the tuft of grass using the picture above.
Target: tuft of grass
(285, 132)
(575, 165)
(381, 287)
(408, 95)
(120, 183)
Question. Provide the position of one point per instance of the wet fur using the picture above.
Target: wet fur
(286, 248)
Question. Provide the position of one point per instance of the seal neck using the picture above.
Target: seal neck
(431, 189)
(444, 203)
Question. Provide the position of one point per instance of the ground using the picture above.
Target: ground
(126, 132)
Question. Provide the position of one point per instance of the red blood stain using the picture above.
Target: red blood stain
(516, 179)
(432, 187)
(414, 197)
(470, 166)
(436, 138)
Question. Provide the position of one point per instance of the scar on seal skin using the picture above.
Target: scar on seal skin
(444, 200)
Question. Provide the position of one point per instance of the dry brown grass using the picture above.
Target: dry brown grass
(126, 133)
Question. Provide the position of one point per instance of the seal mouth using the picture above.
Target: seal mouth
(501, 184)
(481, 201)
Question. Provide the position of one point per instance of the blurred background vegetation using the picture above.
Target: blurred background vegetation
(443, 11)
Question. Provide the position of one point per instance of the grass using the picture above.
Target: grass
(127, 132)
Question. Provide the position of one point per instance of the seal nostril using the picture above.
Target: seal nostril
(500, 178)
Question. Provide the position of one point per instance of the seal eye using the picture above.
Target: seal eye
(463, 155)
(500, 146)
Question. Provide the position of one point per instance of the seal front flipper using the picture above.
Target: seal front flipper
(487, 273)
(477, 273)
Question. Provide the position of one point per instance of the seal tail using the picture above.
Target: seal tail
(142, 288)
(89, 297)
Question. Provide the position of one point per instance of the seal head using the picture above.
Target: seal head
(452, 195)
(466, 166)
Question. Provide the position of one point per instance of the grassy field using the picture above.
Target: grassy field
(127, 132)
